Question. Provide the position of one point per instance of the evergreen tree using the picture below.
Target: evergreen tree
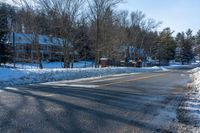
(197, 47)
(166, 46)
(185, 42)
(6, 12)
(198, 38)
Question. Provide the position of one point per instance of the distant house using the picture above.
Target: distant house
(131, 52)
(51, 48)
(178, 51)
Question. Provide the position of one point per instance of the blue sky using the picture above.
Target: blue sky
(179, 15)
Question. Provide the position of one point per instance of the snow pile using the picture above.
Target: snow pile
(195, 71)
(10, 77)
(196, 78)
(189, 108)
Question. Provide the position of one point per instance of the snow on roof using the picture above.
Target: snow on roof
(21, 38)
(42, 39)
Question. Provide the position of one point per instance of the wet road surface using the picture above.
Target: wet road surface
(126, 103)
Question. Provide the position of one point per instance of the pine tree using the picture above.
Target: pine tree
(6, 16)
(198, 38)
(166, 46)
(3, 31)
(186, 41)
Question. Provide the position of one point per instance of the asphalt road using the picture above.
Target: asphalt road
(116, 104)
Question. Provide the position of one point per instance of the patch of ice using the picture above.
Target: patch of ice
(11, 88)
(72, 85)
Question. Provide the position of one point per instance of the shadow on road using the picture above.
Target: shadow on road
(75, 109)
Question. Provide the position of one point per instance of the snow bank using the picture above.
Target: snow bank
(196, 79)
(11, 77)
(80, 64)
(189, 108)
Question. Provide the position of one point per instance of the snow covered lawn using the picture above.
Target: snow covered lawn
(19, 76)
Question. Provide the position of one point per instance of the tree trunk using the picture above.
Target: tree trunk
(36, 43)
(97, 43)
(66, 54)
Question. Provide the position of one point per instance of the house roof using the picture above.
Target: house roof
(28, 39)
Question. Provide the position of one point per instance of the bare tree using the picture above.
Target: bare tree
(149, 26)
(140, 27)
(29, 23)
(137, 20)
(98, 10)
(63, 15)
(106, 29)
